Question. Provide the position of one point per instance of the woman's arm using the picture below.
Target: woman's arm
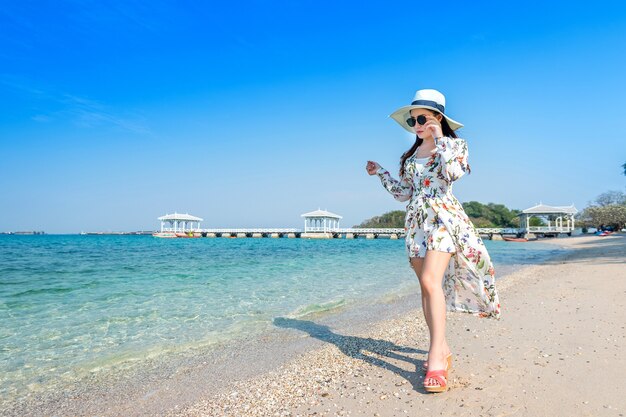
(454, 154)
(400, 190)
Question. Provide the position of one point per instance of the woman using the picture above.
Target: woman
(445, 250)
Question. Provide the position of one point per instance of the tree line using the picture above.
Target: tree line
(608, 209)
(482, 215)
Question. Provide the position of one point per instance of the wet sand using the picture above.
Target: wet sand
(562, 325)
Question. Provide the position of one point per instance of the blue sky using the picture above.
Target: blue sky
(252, 113)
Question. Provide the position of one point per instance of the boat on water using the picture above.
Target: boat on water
(165, 235)
(188, 234)
(173, 235)
(515, 239)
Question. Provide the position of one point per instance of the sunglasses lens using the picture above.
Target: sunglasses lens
(421, 119)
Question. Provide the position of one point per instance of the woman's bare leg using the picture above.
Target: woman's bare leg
(417, 264)
(433, 268)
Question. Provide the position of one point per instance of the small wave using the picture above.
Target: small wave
(43, 291)
(317, 308)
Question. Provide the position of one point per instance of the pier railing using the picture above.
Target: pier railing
(532, 229)
(309, 229)
(370, 232)
(499, 230)
(485, 230)
(493, 232)
(253, 230)
(548, 229)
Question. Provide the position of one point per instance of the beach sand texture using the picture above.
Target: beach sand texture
(559, 350)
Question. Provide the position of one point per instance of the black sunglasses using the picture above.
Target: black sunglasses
(421, 119)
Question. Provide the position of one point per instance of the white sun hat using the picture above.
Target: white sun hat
(424, 99)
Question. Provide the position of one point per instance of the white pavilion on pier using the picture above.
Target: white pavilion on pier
(180, 223)
(556, 213)
(320, 221)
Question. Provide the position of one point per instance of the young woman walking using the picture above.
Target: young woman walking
(446, 252)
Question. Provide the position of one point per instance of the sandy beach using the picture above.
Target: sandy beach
(557, 351)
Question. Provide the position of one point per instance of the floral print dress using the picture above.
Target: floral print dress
(435, 220)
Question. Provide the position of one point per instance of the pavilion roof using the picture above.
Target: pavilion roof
(321, 213)
(179, 216)
(545, 209)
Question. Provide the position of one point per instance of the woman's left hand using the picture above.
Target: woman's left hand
(433, 126)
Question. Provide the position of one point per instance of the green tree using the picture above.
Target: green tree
(536, 221)
(481, 215)
(474, 209)
(390, 219)
(491, 214)
(608, 209)
(611, 215)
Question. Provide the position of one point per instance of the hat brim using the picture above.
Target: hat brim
(403, 113)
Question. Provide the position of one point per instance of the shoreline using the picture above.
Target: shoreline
(164, 386)
(532, 362)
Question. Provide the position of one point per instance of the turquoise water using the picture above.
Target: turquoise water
(71, 305)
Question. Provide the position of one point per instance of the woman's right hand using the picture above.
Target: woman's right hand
(372, 167)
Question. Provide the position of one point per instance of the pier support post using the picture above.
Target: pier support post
(318, 235)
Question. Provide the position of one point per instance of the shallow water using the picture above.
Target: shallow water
(71, 305)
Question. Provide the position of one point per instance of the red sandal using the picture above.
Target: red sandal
(440, 375)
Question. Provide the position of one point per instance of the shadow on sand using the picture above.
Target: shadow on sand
(359, 347)
(612, 248)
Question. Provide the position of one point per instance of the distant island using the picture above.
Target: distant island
(139, 232)
(32, 232)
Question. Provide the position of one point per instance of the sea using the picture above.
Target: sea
(72, 305)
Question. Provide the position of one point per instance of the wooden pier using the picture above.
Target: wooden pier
(349, 233)
(495, 233)
(362, 233)
(492, 233)
(322, 224)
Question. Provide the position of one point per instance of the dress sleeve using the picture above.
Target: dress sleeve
(454, 154)
(400, 190)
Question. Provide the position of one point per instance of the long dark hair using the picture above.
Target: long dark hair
(445, 129)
